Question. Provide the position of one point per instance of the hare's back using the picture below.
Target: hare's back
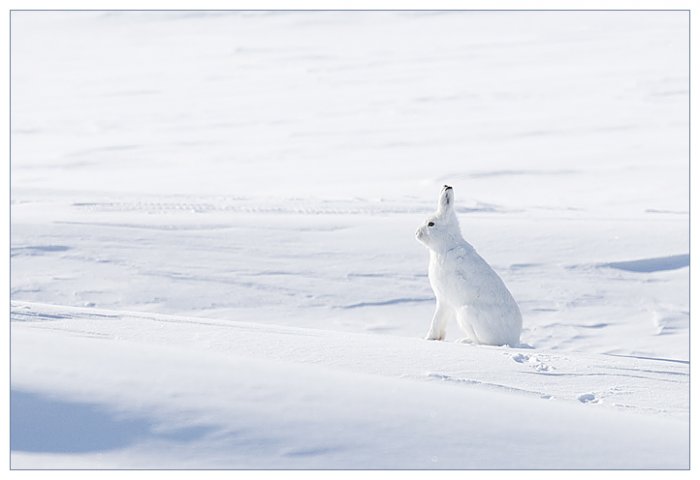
(484, 280)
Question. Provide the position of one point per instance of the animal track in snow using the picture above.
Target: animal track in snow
(534, 361)
(296, 206)
(589, 398)
(520, 358)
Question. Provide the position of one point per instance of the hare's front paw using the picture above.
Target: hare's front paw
(435, 336)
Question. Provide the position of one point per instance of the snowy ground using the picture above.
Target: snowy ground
(213, 262)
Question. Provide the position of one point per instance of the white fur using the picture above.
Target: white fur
(465, 286)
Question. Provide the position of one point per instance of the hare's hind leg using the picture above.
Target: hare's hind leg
(465, 324)
(438, 327)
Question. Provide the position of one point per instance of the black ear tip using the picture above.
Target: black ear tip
(447, 187)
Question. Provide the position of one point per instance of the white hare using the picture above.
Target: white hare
(465, 286)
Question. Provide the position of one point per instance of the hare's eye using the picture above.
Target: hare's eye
(431, 224)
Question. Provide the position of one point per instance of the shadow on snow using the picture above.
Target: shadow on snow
(40, 423)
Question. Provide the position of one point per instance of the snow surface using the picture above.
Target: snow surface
(213, 254)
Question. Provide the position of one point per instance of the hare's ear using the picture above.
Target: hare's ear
(446, 200)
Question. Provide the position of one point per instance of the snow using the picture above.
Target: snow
(190, 392)
(213, 262)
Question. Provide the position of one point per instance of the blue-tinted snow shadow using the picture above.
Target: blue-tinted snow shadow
(34, 250)
(650, 265)
(39, 423)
